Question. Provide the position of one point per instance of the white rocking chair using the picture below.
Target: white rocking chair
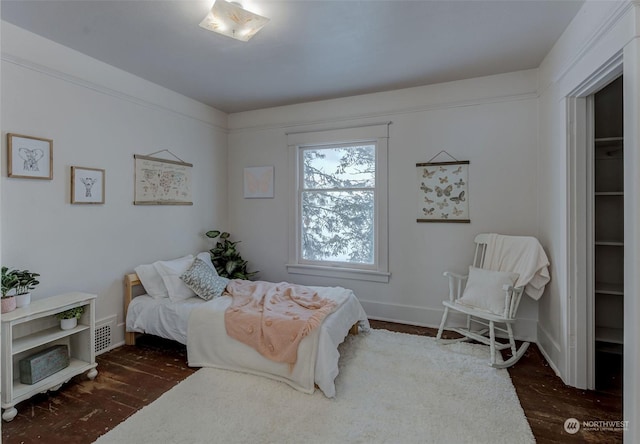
(485, 319)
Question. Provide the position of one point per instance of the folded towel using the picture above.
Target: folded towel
(520, 254)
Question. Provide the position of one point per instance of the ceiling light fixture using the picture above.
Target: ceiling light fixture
(232, 20)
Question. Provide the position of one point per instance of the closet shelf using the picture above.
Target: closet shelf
(609, 243)
(608, 139)
(609, 288)
(609, 193)
(610, 335)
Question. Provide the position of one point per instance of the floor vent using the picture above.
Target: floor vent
(104, 333)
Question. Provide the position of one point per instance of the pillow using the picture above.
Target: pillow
(170, 272)
(152, 281)
(205, 257)
(203, 279)
(484, 289)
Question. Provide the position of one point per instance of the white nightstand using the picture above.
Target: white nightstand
(35, 327)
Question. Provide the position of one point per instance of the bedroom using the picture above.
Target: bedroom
(99, 116)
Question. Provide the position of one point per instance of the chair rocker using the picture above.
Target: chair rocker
(483, 321)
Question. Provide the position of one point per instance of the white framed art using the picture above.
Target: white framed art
(87, 185)
(258, 182)
(443, 192)
(29, 157)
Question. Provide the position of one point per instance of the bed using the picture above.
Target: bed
(317, 364)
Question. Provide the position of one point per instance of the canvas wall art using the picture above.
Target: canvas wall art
(443, 192)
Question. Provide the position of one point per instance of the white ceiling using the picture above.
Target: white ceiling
(310, 50)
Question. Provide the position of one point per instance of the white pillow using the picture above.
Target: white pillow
(170, 272)
(484, 289)
(152, 281)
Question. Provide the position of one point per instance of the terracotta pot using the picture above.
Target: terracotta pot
(22, 300)
(8, 304)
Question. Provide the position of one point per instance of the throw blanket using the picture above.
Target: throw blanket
(273, 318)
(520, 254)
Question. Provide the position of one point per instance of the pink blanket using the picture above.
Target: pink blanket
(273, 318)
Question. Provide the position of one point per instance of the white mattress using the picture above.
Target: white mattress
(166, 319)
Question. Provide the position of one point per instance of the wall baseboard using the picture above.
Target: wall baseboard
(550, 349)
(524, 329)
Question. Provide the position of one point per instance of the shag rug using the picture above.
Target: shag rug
(392, 388)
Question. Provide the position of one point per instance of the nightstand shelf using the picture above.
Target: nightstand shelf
(34, 328)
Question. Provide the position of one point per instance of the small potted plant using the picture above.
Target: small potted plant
(69, 318)
(9, 282)
(26, 282)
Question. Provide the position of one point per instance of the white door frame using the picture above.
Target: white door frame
(580, 308)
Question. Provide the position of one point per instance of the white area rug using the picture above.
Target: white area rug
(392, 388)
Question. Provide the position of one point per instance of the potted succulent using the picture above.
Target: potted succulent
(9, 282)
(69, 318)
(226, 259)
(26, 282)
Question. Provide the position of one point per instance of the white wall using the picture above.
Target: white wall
(489, 121)
(99, 116)
(598, 34)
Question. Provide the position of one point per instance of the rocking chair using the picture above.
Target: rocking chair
(490, 299)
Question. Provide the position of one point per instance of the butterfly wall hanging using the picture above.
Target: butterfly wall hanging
(444, 188)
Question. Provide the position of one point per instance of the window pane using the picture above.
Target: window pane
(338, 226)
(340, 167)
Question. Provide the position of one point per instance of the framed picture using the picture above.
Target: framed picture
(443, 192)
(87, 185)
(258, 182)
(29, 157)
(161, 181)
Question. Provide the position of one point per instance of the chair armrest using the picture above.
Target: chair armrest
(512, 296)
(457, 282)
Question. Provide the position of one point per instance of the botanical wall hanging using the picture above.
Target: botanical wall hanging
(443, 191)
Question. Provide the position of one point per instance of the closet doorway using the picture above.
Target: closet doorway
(605, 249)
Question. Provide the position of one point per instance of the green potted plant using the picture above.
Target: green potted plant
(69, 318)
(26, 282)
(226, 258)
(9, 282)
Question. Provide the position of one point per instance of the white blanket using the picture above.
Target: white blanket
(317, 354)
(520, 254)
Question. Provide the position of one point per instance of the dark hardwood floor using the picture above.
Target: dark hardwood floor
(131, 377)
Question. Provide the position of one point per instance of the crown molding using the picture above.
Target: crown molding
(65, 77)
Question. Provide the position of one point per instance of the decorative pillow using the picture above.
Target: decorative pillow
(170, 272)
(484, 289)
(152, 281)
(203, 279)
(205, 256)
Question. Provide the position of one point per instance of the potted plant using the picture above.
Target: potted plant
(26, 282)
(69, 318)
(226, 259)
(9, 282)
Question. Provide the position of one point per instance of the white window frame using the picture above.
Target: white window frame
(377, 134)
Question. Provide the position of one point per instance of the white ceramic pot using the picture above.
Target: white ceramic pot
(68, 324)
(22, 300)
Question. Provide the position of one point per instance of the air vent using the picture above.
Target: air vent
(104, 330)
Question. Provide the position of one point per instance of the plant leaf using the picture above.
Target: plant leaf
(212, 234)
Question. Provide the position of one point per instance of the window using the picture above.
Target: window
(340, 194)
